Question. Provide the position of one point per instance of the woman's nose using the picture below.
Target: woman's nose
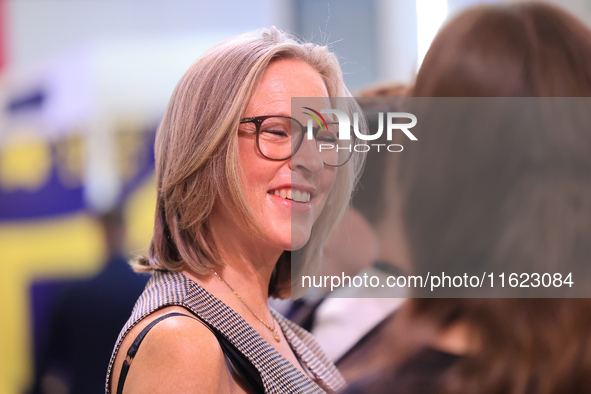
(307, 158)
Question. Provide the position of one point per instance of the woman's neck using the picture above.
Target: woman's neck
(248, 265)
(244, 255)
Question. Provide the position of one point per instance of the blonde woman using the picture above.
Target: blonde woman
(238, 188)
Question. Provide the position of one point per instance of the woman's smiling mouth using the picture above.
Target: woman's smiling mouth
(289, 194)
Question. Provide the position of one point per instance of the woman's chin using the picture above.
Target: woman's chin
(299, 238)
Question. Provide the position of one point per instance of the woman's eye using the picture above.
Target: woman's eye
(326, 138)
(275, 132)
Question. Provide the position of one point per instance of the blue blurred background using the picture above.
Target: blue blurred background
(83, 84)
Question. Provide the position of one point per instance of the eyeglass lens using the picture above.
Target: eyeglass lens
(279, 138)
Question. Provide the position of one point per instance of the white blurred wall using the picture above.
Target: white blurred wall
(39, 29)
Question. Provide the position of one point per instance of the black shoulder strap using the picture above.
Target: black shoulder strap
(240, 362)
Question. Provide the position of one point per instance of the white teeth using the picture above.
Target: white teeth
(296, 195)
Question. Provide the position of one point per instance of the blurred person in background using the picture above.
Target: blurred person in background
(86, 319)
(238, 188)
(541, 186)
(349, 327)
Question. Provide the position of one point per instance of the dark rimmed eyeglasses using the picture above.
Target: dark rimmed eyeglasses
(279, 138)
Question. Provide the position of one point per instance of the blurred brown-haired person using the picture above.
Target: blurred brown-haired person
(503, 345)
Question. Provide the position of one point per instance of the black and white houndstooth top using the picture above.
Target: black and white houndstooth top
(279, 376)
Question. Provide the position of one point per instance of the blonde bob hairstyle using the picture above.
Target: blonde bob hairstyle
(197, 159)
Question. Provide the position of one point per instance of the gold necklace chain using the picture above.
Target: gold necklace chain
(272, 329)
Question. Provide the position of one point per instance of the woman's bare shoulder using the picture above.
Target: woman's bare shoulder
(179, 354)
